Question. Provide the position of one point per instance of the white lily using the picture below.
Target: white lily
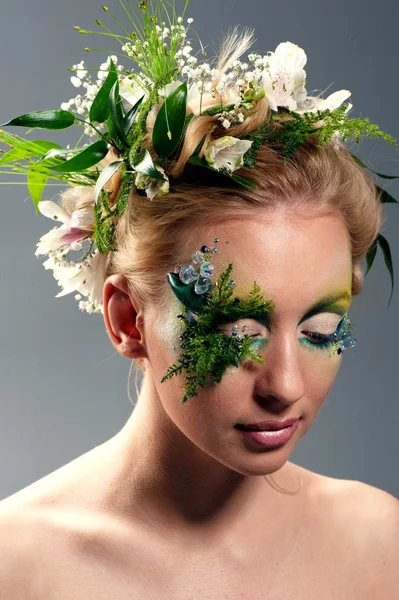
(86, 278)
(131, 91)
(153, 187)
(76, 226)
(284, 79)
(333, 101)
(227, 153)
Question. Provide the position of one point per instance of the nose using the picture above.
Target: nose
(281, 376)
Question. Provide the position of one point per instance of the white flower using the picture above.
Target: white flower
(86, 278)
(284, 79)
(334, 100)
(313, 104)
(227, 153)
(226, 123)
(190, 20)
(131, 91)
(153, 187)
(76, 81)
(75, 227)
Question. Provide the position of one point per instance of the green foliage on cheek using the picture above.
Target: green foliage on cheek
(207, 353)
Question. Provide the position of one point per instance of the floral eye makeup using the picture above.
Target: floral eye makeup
(205, 353)
(212, 340)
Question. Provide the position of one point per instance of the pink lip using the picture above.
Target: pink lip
(270, 425)
(271, 438)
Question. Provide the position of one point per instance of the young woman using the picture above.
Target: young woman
(198, 498)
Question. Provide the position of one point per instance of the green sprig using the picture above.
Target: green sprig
(207, 353)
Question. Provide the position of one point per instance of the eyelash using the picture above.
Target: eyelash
(325, 340)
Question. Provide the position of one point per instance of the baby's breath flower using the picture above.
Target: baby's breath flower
(76, 82)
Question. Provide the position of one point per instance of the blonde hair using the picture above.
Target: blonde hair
(152, 235)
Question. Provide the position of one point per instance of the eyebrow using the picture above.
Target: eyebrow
(326, 304)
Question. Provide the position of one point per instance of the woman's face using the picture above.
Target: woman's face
(298, 262)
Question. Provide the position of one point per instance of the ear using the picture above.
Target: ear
(123, 319)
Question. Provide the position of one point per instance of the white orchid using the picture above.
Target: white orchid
(76, 226)
(284, 78)
(227, 153)
(153, 187)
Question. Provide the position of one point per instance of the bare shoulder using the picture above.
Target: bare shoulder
(17, 548)
(368, 520)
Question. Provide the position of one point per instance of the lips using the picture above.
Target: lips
(268, 425)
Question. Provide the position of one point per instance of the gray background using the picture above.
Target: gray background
(62, 387)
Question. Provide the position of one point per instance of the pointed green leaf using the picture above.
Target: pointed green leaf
(31, 148)
(37, 179)
(105, 176)
(117, 113)
(195, 160)
(386, 176)
(169, 124)
(58, 153)
(386, 251)
(358, 161)
(362, 164)
(244, 182)
(186, 294)
(130, 116)
(385, 197)
(144, 164)
(44, 119)
(84, 160)
(372, 251)
(99, 110)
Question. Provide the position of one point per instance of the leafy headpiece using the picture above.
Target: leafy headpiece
(133, 123)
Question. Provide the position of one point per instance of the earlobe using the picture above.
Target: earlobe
(122, 321)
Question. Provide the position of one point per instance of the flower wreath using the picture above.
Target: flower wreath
(173, 88)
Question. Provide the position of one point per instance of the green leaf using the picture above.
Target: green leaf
(170, 120)
(186, 295)
(37, 179)
(144, 164)
(195, 160)
(59, 152)
(31, 148)
(105, 176)
(385, 197)
(386, 251)
(85, 159)
(130, 116)
(99, 110)
(44, 119)
(372, 251)
(362, 164)
(386, 176)
(358, 161)
(244, 182)
(117, 113)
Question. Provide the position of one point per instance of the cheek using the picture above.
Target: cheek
(321, 371)
(168, 327)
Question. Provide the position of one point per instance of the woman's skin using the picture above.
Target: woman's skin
(184, 470)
